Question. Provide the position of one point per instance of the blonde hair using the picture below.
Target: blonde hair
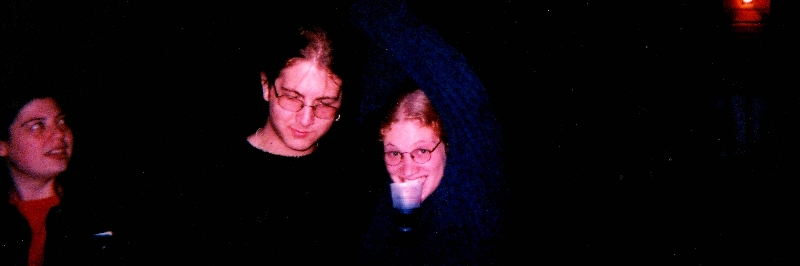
(414, 105)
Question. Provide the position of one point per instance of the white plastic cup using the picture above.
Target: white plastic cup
(406, 196)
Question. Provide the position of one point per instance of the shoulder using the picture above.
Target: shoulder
(85, 230)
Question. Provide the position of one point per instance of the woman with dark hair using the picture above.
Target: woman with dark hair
(41, 223)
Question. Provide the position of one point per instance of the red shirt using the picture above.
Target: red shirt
(35, 211)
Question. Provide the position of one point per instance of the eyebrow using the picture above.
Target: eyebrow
(317, 99)
(424, 142)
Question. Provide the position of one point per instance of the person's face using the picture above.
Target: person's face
(407, 136)
(298, 132)
(40, 142)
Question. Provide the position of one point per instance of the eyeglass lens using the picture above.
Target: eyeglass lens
(290, 104)
(419, 156)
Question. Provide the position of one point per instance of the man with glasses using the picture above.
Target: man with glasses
(290, 201)
(308, 97)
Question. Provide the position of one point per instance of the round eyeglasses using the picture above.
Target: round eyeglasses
(294, 104)
(419, 156)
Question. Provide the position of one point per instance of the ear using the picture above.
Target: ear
(3, 148)
(265, 85)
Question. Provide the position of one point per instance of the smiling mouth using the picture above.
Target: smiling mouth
(60, 153)
(420, 179)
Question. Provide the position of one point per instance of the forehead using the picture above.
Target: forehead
(310, 80)
(409, 132)
(38, 108)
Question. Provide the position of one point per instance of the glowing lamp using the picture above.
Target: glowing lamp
(747, 16)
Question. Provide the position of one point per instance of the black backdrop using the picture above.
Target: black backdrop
(630, 130)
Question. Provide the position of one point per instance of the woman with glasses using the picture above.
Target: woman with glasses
(443, 136)
(449, 224)
(414, 148)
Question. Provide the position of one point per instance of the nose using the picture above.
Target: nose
(61, 132)
(408, 168)
(305, 116)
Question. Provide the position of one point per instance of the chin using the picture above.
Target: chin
(302, 146)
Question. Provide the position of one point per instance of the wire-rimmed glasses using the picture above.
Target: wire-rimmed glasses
(419, 156)
(295, 104)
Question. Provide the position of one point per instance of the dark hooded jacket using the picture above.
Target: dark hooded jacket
(79, 232)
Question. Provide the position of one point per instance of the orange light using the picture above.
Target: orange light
(747, 16)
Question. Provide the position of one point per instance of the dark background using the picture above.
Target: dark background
(633, 132)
